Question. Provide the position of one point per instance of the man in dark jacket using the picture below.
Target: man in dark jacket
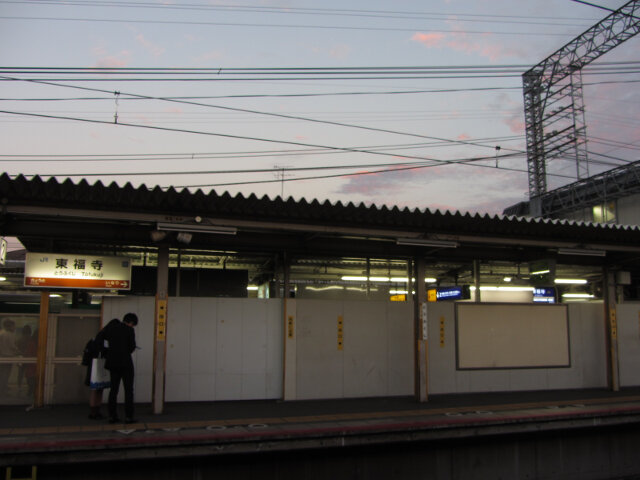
(119, 339)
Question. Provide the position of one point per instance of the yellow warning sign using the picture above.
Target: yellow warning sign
(161, 320)
(398, 298)
(290, 325)
(432, 295)
(614, 324)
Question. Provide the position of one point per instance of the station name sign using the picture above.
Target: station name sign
(77, 271)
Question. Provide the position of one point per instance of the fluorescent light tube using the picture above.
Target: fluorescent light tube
(540, 272)
(190, 227)
(580, 251)
(420, 242)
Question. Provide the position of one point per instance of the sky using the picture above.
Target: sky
(406, 103)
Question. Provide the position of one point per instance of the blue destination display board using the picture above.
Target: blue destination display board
(440, 294)
(544, 295)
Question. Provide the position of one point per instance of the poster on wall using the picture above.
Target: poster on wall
(68, 270)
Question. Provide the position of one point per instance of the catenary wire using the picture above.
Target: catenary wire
(256, 112)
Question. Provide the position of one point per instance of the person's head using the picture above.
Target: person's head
(130, 319)
(9, 325)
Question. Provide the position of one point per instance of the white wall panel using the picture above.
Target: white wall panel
(204, 323)
(628, 316)
(400, 340)
(202, 355)
(587, 349)
(377, 355)
(274, 349)
(217, 348)
(231, 349)
(365, 350)
(178, 337)
(319, 368)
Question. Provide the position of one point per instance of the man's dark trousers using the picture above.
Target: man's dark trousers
(126, 375)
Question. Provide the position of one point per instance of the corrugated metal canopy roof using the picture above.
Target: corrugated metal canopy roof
(24, 199)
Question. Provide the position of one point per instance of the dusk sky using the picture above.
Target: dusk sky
(190, 128)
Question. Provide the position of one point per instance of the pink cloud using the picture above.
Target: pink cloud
(515, 124)
(119, 60)
(212, 55)
(463, 136)
(429, 39)
(447, 187)
(151, 47)
(471, 45)
(340, 51)
(374, 184)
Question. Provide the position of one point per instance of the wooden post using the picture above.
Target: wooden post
(160, 331)
(611, 321)
(41, 355)
(290, 352)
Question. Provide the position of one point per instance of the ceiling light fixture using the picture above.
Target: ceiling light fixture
(577, 295)
(190, 227)
(404, 279)
(357, 278)
(353, 278)
(419, 242)
(498, 288)
(573, 281)
(582, 252)
(540, 272)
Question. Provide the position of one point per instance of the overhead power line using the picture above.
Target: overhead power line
(243, 110)
(87, 74)
(468, 162)
(275, 95)
(343, 149)
(290, 10)
(155, 157)
(593, 5)
(271, 170)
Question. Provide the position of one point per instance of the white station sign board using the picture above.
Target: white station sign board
(64, 270)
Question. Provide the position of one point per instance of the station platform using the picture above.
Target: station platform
(62, 434)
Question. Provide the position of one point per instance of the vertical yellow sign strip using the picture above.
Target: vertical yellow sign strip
(614, 324)
(340, 332)
(161, 320)
(441, 332)
(290, 326)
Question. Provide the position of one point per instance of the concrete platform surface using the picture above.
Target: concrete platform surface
(63, 433)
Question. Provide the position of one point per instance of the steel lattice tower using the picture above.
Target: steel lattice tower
(553, 100)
